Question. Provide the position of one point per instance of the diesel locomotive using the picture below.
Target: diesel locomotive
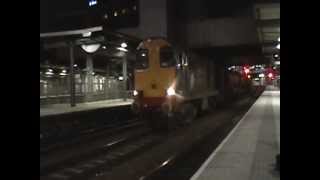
(171, 84)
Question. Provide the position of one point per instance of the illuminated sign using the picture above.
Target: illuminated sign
(93, 2)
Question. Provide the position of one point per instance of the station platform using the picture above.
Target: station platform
(58, 109)
(249, 151)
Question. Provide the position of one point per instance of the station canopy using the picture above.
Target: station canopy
(54, 46)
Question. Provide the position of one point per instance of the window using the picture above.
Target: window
(142, 59)
(167, 57)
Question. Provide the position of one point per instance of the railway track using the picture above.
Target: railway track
(102, 159)
(86, 135)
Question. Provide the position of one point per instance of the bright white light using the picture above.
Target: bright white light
(49, 73)
(276, 55)
(122, 49)
(62, 74)
(171, 91)
(249, 76)
(270, 75)
(277, 62)
(115, 13)
(93, 73)
(92, 2)
(256, 79)
(120, 78)
(229, 68)
(87, 34)
(261, 75)
(104, 47)
(164, 163)
(279, 39)
(278, 46)
(91, 48)
(50, 70)
(75, 65)
(135, 93)
(64, 71)
(143, 54)
(124, 45)
(246, 71)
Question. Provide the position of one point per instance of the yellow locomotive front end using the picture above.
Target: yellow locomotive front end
(154, 77)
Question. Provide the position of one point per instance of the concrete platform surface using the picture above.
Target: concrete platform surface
(249, 151)
(65, 108)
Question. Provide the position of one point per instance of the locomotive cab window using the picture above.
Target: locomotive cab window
(142, 59)
(167, 57)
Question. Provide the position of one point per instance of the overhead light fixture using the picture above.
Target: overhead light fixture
(91, 48)
(261, 75)
(124, 45)
(86, 34)
(104, 47)
(92, 2)
(75, 65)
(122, 49)
(277, 62)
(49, 72)
(279, 39)
(278, 46)
(120, 78)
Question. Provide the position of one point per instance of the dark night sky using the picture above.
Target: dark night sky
(58, 15)
(187, 9)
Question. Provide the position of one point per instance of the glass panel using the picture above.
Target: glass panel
(167, 57)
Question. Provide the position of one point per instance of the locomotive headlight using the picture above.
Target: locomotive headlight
(171, 91)
(135, 93)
